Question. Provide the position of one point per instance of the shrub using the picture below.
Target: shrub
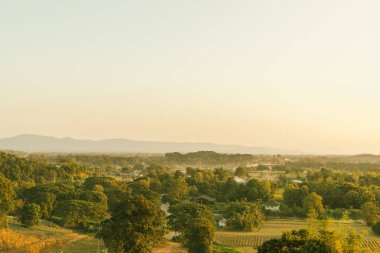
(376, 228)
(30, 215)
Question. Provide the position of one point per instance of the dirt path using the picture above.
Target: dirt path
(170, 247)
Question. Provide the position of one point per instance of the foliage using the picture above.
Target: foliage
(319, 237)
(294, 241)
(77, 213)
(244, 216)
(7, 196)
(209, 158)
(30, 215)
(313, 204)
(294, 195)
(200, 235)
(376, 228)
(371, 213)
(241, 172)
(91, 183)
(47, 196)
(196, 225)
(222, 249)
(135, 226)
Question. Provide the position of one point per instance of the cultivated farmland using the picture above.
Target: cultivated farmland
(274, 228)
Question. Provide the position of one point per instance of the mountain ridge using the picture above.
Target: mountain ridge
(40, 143)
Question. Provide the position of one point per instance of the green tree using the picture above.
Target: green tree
(376, 228)
(241, 172)
(196, 225)
(200, 235)
(370, 213)
(321, 238)
(254, 190)
(294, 241)
(136, 226)
(30, 215)
(294, 195)
(78, 213)
(47, 196)
(245, 216)
(176, 189)
(7, 196)
(313, 204)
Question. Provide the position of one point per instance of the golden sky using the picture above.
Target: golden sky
(300, 74)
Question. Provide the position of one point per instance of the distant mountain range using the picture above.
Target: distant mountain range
(38, 143)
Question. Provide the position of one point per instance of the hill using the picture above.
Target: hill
(38, 143)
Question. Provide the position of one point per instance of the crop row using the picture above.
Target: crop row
(257, 240)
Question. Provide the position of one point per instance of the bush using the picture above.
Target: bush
(376, 228)
(356, 214)
(57, 220)
(30, 215)
(222, 249)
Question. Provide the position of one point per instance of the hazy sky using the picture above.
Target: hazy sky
(292, 74)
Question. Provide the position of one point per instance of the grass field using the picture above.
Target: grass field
(266, 175)
(66, 240)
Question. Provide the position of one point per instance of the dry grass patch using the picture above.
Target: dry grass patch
(170, 247)
(11, 241)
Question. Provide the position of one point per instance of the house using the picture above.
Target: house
(272, 205)
(204, 199)
(240, 180)
(221, 222)
(296, 181)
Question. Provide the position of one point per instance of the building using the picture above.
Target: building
(220, 221)
(272, 205)
(204, 199)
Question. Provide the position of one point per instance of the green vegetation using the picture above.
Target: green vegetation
(136, 226)
(196, 226)
(30, 215)
(319, 237)
(244, 216)
(119, 198)
(7, 196)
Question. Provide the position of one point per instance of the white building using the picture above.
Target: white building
(272, 205)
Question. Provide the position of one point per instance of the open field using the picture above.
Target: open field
(66, 240)
(266, 175)
(50, 238)
(246, 242)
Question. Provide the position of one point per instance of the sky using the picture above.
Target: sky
(294, 74)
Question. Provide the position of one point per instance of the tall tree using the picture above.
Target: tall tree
(313, 204)
(78, 213)
(371, 213)
(245, 216)
(200, 235)
(136, 226)
(30, 215)
(196, 225)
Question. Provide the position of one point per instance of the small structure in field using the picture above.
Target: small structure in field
(272, 205)
(296, 181)
(204, 199)
(221, 222)
(240, 180)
